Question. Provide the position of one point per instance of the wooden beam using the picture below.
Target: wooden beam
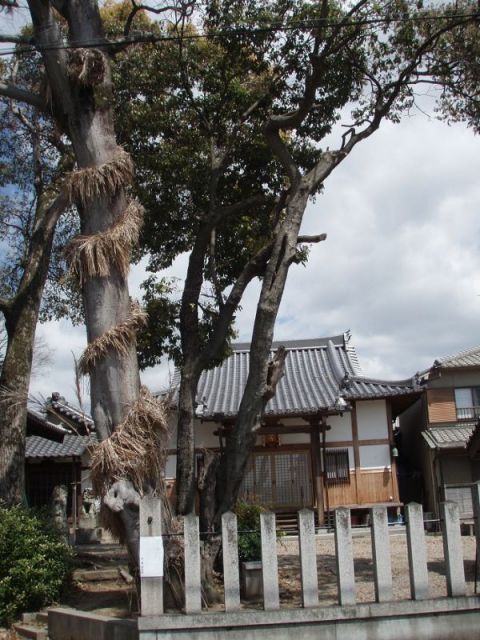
(317, 472)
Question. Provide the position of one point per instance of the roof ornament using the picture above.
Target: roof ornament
(346, 382)
(341, 404)
(201, 408)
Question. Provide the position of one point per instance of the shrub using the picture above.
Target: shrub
(35, 563)
(248, 520)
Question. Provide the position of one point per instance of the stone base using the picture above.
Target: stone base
(251, 580)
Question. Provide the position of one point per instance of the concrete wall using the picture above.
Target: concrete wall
(445, 619)
(452, 619)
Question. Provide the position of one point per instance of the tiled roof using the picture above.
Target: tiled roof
(468, 358)
(41, 420)
(317, 371)
(61, 406)
(449, 436)
(38, 447)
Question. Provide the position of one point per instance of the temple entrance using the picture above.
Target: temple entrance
(279, 480)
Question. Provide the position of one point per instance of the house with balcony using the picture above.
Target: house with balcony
(436, 433)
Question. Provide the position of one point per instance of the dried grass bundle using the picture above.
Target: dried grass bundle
(119, 338)
(136, 450)
(83, 185)
(92, 256)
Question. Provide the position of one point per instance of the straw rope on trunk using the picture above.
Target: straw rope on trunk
(119, 338)
(92, 256)
(135, 451)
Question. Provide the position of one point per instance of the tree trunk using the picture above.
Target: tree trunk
(14, 382)
(241, 439)
(21, 320)
(80, 84)
(186, 486)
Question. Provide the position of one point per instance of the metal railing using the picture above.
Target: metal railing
(468, 413)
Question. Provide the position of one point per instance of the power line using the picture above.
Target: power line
(152, 38)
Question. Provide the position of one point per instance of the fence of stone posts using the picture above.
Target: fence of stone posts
(152, 584)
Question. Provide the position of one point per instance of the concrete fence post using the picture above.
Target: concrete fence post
(151, 556)
(308, 557)
(231, 576)
(268, 532)
(344, 556)
(193, 586)
(417, 554)
(452, 548)
(382, 564)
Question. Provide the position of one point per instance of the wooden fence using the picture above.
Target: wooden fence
(151, 541)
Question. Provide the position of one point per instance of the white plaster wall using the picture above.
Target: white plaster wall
(341, 428)
(294, 438)
(469, 378)
(372, 419)
(375, 456)
(204, 434)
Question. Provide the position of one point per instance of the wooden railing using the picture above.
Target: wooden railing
(152, 585)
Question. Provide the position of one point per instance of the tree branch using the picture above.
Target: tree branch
(5, 305)
(254, 267)
(22, 95)
(311, 239)
(14, 39)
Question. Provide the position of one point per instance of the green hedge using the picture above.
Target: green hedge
(35, 563)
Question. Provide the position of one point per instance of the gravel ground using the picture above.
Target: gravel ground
(289, 568)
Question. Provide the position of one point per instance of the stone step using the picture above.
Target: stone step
(96, 575)
(30, 631)
(42, 617)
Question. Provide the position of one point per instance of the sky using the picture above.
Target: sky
(400, 267)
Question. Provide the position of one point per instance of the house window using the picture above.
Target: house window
(337, 467)
(467, 401)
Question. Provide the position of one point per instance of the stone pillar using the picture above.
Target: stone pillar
(193, 586)
(382, 564)
(308, 558)
(151, 586)
(231, 576)
(344, 556)
(271, 596)
(417, 554)
(452, 548)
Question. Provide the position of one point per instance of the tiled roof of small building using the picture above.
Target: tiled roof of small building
(449, 435)
(317, 371)
(61, 406)
(38, 447)
(467, 358)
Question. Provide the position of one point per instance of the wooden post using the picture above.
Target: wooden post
(151, 556)
(317, 471)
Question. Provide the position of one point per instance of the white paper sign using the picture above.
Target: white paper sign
(151, 557)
